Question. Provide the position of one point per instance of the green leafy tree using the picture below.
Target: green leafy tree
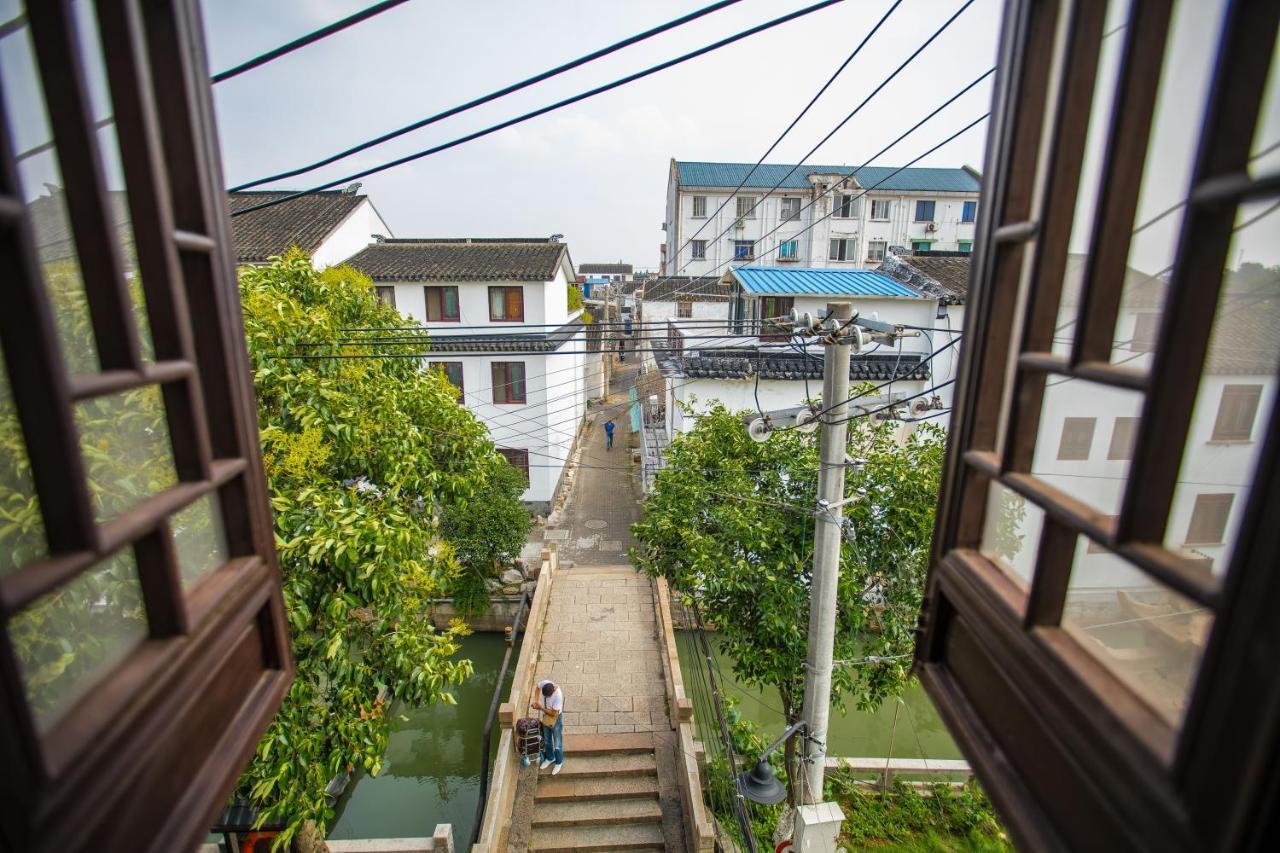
(730, 525)
(487, 531)
(575, 298)
(363, 458)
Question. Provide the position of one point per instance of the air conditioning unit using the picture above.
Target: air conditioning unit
(932, 226)
(740, 223)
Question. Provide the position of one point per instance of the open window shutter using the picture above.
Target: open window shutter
(1084, 742)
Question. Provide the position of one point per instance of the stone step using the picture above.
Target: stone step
(597, 765)
(584, 839)
(598, 812)
(557, 789)
(622, 744)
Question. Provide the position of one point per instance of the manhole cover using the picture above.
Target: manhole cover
(597, 524)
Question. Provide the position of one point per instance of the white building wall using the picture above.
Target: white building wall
(899, 229)
(657, 311)
(355, 232)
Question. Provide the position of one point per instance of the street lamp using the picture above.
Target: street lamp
(758, 784)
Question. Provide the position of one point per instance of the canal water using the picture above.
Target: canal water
(431, 773)
(856, 734)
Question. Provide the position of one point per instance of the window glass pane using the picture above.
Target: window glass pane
(125, 442)
(199, 539)
(1149, 636)
(1011, 532)
(1073, 442)
(68, 639)
(1166, 178)
(1264, 156)
(21, 525)
(497, 303)
(1237, 390)
(41, 180)
(109, 147)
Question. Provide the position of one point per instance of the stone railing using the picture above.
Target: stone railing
(883, 771)
(506, 764)
(441, 841)
(699, 831)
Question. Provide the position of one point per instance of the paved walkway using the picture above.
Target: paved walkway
(594, 528)
(600, 644)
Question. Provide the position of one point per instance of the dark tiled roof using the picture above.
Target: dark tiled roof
(436, 260)
(304, 222)
(52, 225)
(731, 364)
(944, 275)
(533, 342)
(605, 269)
(687, 289)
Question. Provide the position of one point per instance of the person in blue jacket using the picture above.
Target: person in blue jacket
(608, 435)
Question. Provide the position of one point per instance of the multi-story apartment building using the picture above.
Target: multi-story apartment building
(498, 318)
(710, 226)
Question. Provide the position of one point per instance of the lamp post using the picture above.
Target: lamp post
(758, 784)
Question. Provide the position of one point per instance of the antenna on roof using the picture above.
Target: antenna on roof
(351, 188)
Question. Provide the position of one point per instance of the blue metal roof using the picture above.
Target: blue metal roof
(766, 175)
(776, 281)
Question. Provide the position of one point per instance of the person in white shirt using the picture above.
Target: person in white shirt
(552, 708)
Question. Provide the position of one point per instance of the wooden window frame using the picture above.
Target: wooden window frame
(504, 386)
(1207, 502)
(1222, 430)
(507, 292)
(1070, 754)
(446, 367)
(437, 293)
(155, 746)
(518, 458)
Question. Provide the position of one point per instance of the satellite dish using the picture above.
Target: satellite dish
(759, 429)
(807, 420)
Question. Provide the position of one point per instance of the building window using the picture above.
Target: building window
(386, 295)
(442, 304)
(1209, 516)
(1122, 435)
(684, 310)
(772, 308)
(1145, 328)
(699, 207)
(518, 459)
(919, 245)
(969, 212)
(847, 207)
(743, 250)
(966, 246)
(508, 381)
(1236, 411)
(746, 207)
(452, 371)
(880, 210)
(843, 249)
(924, 211)
(790, 209)
(875, 250)
(788, 250)
(506, 303)
(698, 249)
(1077, 437)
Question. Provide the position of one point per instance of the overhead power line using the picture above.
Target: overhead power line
(790, 127)
(582, 96)
(887, 80)
(492, 96)
(309, 38)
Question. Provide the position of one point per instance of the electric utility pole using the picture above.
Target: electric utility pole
(837, 338)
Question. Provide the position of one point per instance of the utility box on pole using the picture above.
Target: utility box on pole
(816, 829)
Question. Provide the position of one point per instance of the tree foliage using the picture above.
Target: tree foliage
(730, 525)
(487, 532)
(363, 457)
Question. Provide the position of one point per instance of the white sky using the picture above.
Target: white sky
(595, 171)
